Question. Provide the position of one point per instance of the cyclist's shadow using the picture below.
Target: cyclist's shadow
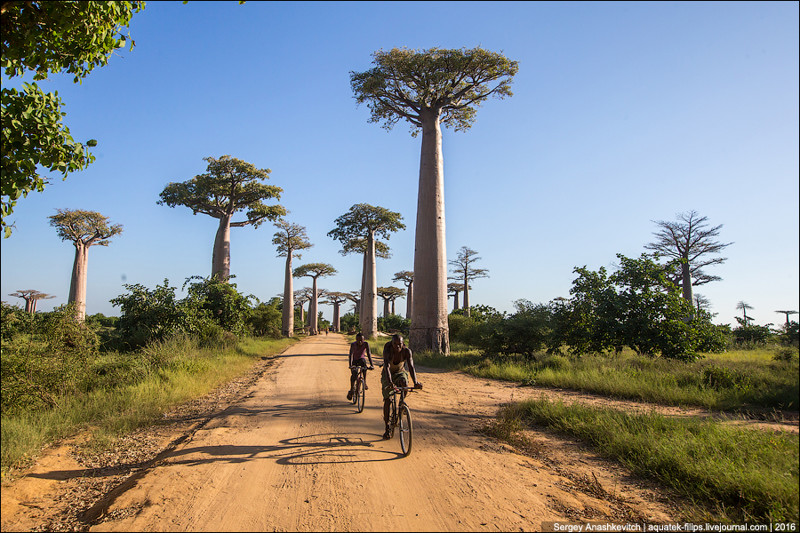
(331, 448)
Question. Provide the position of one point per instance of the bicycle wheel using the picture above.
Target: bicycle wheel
(405, 430)
(360, 395)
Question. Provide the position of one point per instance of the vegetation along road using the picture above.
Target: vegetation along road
(293, 454)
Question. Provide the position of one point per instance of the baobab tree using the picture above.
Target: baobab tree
(314, 271)
(355, 297)
(84, 229)
(32, 296)
(454, 289)
(389, 295)
(290, 239)
(229, 185)
(336, 299)
(362, 224)
(787, 313)
(464, 272)
(691, 242)
(744, 306)
(430, 89)
(301, 296)
(407, 277)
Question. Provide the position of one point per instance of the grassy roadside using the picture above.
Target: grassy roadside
(133, 391)
(738, 475)
(742, 379)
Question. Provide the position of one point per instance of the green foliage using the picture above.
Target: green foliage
(790, 335)
(47, 361)
(752, 475)
(219, 300)
(748, 335)
(349, 323)
(229, 185)
(265, 319)
(149, 315)
(394, 324)
(50, 37)
(404, 84)
(12, 319)
(33, 137)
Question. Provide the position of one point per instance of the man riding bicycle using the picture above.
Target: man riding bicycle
(396, 357)
(359, 353)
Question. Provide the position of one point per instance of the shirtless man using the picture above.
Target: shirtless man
(396, 358)
(359, 353)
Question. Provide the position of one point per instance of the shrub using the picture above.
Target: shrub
(394, 324)
(265, 320)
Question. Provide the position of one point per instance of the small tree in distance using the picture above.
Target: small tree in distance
(84, 229)
(314, 271)
(691, 242)
(465, 272)
(744, 306)
(229, 185)
(363, 223)
(407, 277)
(32, 296)
(290, 239)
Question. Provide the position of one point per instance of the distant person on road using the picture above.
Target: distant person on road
(396, 358)
(359, 353)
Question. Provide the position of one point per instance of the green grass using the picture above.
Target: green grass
(130, 391)
(738, 475)
(743, 379)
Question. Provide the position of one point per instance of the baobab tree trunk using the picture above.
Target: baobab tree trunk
(30, 304)
(393, 307)
(77, 286)
(466, 298)
(455, 301)
(686, 282)
(336, 321)
(429, 330)
(385, 308)
(302, 314)
(361, 313)
(288, 299)
(409, 299)
(369, 302)
(221, 257)
(313, 315)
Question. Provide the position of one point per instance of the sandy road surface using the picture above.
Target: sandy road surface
(294, 455)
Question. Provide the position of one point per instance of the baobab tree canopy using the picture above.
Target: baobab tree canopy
(403, 83)
(364, 220)
(229, 185)
(87, 227)
(690, 241)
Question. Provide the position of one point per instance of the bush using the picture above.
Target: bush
(266, 320)
(149, 315)
(394, 324)
(349, 323)
(751, 335)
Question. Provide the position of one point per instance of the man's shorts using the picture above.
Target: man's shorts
(400, 379)
(358, 363)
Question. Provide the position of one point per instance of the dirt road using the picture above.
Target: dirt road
(294, 455)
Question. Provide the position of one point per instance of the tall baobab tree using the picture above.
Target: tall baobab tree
(355, 297)
(32, 296)
(430, 89)
(744, 306)
(464, 272)
(787, 313)
(314, 271)
(290, 239)
(84, 229)
(336, 299)
(363, 223)
(691, 242)
(407, 277)
(389, 295)
(359, 246)
(229, 185)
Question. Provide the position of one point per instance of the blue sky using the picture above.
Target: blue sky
(622, 114)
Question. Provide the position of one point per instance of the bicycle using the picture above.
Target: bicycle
(401, 416)
(359, 392)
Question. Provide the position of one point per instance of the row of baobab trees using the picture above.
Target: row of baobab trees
(426, 88)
